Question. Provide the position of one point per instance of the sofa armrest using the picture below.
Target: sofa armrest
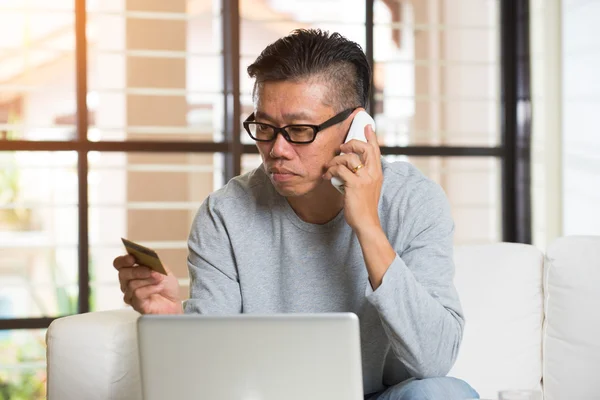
(500, 287)
(572, 326)
(94, 356)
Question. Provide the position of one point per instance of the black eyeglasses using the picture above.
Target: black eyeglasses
(296, 133)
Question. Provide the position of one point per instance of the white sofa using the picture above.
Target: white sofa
(532, 322)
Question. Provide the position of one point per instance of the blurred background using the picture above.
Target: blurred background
(119, 117)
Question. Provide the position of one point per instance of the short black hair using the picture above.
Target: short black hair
(313, 53)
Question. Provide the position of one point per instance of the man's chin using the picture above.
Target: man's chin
(290, 189)
(297, 189)
(286, 190)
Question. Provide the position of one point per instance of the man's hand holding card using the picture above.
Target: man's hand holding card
(147, 285)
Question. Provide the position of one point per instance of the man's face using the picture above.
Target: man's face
(296, 169)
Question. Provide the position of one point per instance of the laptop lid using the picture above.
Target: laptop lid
(251, 357)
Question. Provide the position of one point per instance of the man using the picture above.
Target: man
(282, 239)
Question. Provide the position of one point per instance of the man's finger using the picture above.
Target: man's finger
(351, 160)
(142, 294)
(136, 284)
(371, 136)
(372, 139)
(356, 146)
(127, 298)
(124, 261)
(139, 272)
(127, 274)
(367, 152)
(340, 171)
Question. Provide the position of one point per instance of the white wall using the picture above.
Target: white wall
(581, 116)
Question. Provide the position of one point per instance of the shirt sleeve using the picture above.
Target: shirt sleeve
(214, 283)
(417, 301)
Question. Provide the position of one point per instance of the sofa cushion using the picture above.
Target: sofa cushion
(572, 326)
(94, 356)
(500, 287)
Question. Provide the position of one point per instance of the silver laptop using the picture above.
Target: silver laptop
(251, 357)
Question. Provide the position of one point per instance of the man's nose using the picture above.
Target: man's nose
(280, 147)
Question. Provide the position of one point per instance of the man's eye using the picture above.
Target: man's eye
(262, 128)
(299, 130)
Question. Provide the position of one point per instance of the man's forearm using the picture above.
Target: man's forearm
(377, 252)
(425, 332)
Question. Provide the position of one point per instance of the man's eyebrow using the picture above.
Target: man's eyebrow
(297, 116)
(263, 115)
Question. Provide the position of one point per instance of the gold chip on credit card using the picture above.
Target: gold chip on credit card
(144, 256)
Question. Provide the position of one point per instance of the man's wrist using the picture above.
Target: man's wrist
(366, 231)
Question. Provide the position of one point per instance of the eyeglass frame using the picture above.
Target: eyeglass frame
(336, 119)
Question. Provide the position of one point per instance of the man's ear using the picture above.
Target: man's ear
(349, 120)
(359, 109)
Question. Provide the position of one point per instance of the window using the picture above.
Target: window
(580, 93)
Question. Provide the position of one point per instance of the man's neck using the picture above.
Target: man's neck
(319, 206)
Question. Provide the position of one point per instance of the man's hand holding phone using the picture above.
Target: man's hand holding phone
(357, 173)
(146, 289)
(360, 171)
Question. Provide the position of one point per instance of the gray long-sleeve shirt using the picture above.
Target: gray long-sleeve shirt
(250, 253)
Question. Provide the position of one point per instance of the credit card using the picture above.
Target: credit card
(144, 256)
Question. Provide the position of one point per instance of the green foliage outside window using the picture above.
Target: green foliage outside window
(24, 374)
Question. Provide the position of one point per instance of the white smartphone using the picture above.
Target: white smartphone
(356, 131)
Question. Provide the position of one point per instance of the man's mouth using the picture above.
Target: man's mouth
(281, 174)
